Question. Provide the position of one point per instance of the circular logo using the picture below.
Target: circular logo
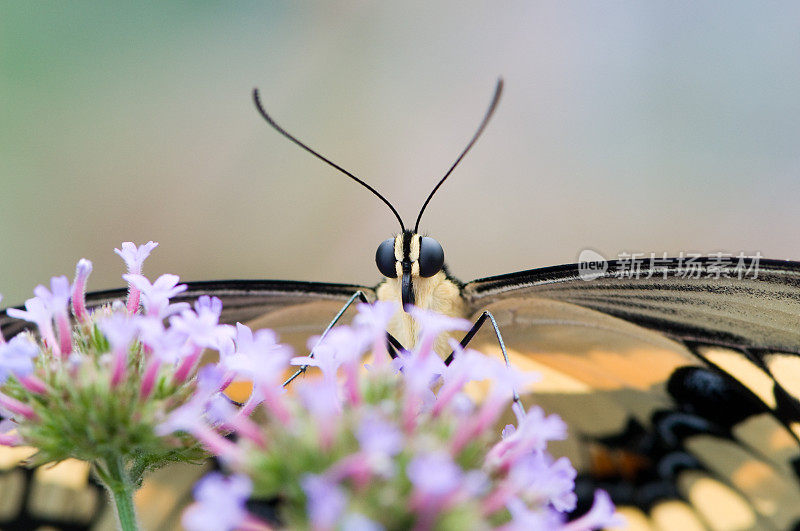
(591, 265)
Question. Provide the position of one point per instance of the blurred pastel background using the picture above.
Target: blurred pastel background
(638, 126)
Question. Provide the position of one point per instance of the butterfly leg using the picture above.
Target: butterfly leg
(474, 330)
(392, 344)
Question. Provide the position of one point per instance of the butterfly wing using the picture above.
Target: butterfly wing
(679, 383)
(66, 497)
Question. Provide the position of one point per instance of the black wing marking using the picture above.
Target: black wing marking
(710, 411)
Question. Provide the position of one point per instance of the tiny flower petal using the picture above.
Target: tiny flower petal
(135, 256)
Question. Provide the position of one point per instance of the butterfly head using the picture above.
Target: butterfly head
(413, 264)
(410, 258)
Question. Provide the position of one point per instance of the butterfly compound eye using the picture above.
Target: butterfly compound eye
(431, 257)
(384, 258)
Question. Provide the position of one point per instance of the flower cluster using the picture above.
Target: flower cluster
(409, 443)
(98, 390)
(387, 445)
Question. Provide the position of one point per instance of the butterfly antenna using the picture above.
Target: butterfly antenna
(285, 133)
(486, 117)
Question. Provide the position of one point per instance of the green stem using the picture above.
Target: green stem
(119, 485)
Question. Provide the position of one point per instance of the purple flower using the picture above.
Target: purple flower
(190, 418)
(434, 475)
(505, 381)
(602, 515)
(377, 436)
(321, 400)
(149, 378)
(220, 504)
(16, 357)
(155, 296)
(437, 481)
(419, 373)
(342, 345)
(134, 256)
(326, 501)
(379, 441)
(532, 434)
(57, 297)
(258, 356)
(221, 410)
(120, 330)
(82, 271)
(524, 518)
(539, 480)
(467, 365)
(166, 344)
(57, 301)
(187, 417)
(374, 318)
(210, 379)
(432, 324)
(261, 359)
(202, 325)
(37, 312)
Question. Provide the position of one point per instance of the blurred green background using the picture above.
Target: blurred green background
(637, 126)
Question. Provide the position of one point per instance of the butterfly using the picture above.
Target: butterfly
(679, 378)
